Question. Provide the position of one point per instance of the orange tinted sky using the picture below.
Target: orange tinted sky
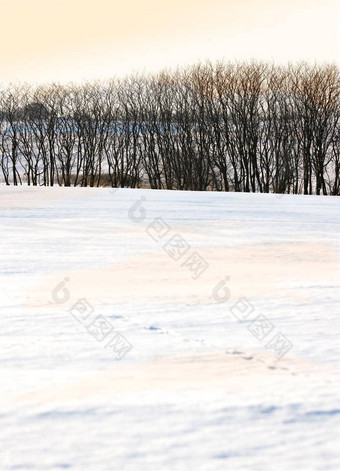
(61, 40)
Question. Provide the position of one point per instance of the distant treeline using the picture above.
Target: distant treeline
(227, 127)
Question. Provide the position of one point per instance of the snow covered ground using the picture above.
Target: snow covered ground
(158, 330)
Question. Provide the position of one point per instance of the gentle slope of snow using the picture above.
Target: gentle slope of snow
(195, 387)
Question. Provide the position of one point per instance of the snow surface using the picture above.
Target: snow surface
(198, 390)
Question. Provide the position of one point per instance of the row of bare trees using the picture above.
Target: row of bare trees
(225, 126)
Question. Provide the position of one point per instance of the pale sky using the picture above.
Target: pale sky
(75, 40)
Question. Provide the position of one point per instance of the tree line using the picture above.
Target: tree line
(252, 127)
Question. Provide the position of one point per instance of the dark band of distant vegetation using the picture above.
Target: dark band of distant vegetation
(250, 127)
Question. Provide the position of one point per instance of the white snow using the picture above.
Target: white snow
(198, 390)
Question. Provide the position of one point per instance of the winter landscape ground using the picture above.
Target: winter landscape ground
(163, 330)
